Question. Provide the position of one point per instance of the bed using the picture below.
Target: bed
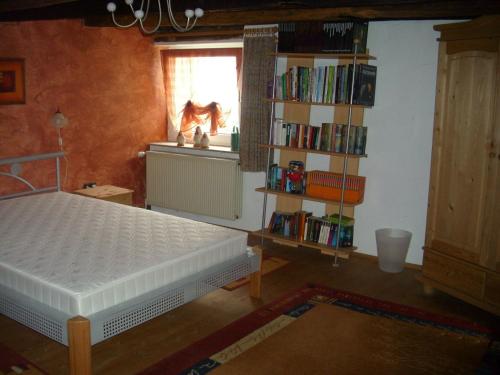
(81, 270)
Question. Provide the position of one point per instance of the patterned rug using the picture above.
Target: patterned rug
(269, 264)
(12, 363)
(319, 330)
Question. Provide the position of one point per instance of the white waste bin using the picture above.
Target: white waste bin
(392, 248)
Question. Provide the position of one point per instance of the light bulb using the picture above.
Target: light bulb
(198, 12)
(139, 13)
(111, 7)
(189, 13)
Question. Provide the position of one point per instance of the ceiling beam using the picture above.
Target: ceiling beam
(433, 10)
(17, 5)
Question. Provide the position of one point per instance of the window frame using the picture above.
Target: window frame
(208, 50)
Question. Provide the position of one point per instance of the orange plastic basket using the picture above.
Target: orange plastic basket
(328, 185)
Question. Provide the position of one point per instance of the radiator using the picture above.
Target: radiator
(196, 184)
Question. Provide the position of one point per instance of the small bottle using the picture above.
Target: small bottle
(235, 139)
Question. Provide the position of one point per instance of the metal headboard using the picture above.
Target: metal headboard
(15, 169)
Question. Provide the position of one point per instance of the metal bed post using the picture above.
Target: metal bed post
(15, 169)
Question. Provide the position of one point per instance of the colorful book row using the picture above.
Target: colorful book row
(289, 224)
(329, 137)
(327, 84)
(324, 231)
(301, 225)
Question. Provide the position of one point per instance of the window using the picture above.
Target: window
(203, 76)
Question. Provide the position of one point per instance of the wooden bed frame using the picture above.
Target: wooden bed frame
(79, 345)
(78, 327)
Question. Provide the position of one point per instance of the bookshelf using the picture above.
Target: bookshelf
(312, 151)
(343, 253)
(344, 163)
(303, 196)
(314, 103)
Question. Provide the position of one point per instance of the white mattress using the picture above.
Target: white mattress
(81, 255)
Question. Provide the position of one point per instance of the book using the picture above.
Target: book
(365, 84)
(324, 84)
(352, 139)
(271, 177)
(286, 40)
(360, 141)
(321, 36)
(338, 137)
(341, 37)
(277, 132)
(330, 84)
(346, 220)
(302, 224)
(326, 136)
(344, 139)
(293, 135)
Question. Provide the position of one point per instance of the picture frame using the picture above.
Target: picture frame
(12, 82)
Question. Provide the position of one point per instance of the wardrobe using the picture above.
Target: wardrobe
(462, 245)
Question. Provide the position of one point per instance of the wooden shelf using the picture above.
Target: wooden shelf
(343, 252)
(308, 150)
(304, 197)
(314, 103)
(320, 55)
(299, 112)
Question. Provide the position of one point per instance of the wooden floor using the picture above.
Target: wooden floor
(142, 346)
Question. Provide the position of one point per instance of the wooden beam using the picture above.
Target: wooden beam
(16, 5)
(433, 10)
(168, 36)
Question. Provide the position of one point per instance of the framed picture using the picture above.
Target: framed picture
(12, 87)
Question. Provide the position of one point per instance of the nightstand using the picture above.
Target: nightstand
(108, 193)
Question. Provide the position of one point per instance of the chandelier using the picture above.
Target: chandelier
(141, 14)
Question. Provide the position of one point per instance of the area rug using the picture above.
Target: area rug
(12, 363)
(269, 264)
(319, 330)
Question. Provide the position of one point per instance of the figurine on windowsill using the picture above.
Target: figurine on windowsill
(180, 139)
(197, 137)
(205, 141)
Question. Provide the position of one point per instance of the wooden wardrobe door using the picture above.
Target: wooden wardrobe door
(490, 256)
(462, 142)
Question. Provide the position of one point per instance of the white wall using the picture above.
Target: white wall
(399, 139)
(400, 133)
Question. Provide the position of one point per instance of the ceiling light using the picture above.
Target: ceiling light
(141, 14)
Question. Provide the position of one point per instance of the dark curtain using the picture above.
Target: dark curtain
(259, 47)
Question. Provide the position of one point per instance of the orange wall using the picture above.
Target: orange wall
(108, 82)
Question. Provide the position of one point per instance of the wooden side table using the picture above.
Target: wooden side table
(108, 193)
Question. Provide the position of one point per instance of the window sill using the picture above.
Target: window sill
(214, 151)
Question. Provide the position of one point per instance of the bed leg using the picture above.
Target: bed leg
(256, 277)
(79, 346)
